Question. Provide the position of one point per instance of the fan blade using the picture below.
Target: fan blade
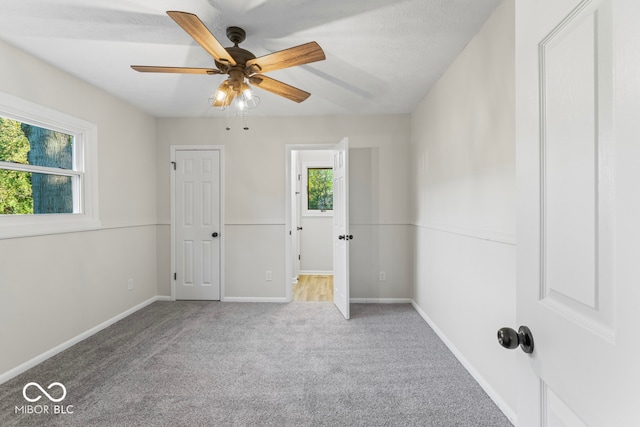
(200, 33)
(279, 88)
(183, 70)
(298, 55)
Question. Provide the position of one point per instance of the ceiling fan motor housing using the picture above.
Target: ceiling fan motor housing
(240, 55)
(236, 35)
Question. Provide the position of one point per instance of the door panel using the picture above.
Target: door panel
(575, 291)
(576, 148)
(197, 218)
(341, 227)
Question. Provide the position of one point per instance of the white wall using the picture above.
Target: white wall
(255, 197)
(53, 288)
(463, 189)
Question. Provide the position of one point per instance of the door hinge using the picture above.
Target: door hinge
(298, 257)
(175, 276)
(174, 165)
(299, 177)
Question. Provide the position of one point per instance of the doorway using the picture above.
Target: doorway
(316, 249)
(196, 235)
(312, 213)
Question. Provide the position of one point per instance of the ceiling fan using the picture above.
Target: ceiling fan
(241, 65)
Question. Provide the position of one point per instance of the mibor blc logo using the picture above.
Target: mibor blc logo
(33, 392)
(38, 386)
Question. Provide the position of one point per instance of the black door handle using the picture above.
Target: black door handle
(345, 237)
(508, 338)
(215, 234)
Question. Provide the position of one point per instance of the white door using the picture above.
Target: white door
(197, 225)
(578, 252)
(341, 236)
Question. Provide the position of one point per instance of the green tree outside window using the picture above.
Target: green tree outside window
(320, 189)
(27, 192)
(15, 187)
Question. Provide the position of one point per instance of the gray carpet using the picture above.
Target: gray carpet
(245, 364)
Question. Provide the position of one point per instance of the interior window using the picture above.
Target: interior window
(319, 193)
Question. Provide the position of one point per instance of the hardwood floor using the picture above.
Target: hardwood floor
(313, 288)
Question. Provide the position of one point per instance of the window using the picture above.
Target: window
(47, 170)
(319, 190)
(37, 175)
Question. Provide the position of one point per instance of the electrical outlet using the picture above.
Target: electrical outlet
(383, 276)
(130, 285)
(268, 276)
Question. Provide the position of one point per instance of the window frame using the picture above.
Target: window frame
(305, 189)
(84, 174)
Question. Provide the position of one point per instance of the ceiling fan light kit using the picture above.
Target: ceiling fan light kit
(243, 68)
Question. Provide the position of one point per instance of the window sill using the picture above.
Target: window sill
(318, 214)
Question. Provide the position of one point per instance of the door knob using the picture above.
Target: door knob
(508, 338)
(215, 234)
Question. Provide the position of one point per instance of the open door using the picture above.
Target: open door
(577, 130)
(341, 236)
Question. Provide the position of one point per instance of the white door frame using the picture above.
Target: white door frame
(172, 157)
(288, 269)
(296, 218)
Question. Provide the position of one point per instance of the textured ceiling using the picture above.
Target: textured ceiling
(382, 55)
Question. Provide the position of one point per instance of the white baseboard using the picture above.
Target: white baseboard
(254, 299)
(380, 300)
(316, 273)
(506, 409)
(6, 376)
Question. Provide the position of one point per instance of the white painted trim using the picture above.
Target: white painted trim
(493, 236)
(316, 273)
(6, 376)
(254, 299)
(172, 157)
(387, 223)
(252, 223)
(129, 224)
(502, 405)
(380, 300)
